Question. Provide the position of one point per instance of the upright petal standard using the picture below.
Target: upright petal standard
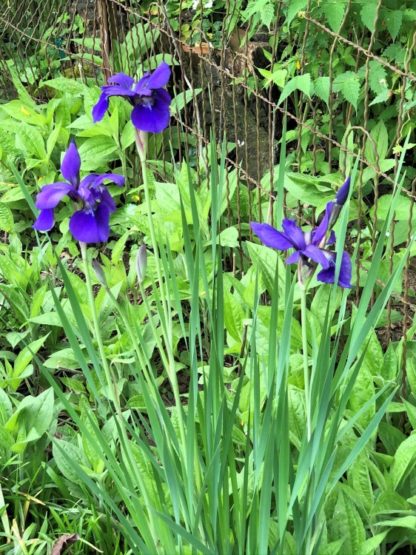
(90, 222)
(149, 98)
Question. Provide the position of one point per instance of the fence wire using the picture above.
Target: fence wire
(222, 64)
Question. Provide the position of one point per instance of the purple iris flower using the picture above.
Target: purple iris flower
(91, 223)
(149, 98)
(309, 247)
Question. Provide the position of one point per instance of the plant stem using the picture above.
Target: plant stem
(305, 360)
(141, 144)
(114, 396)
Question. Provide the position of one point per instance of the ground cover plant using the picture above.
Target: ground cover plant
(176, 375)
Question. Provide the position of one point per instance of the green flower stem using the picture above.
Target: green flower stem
(141, 144)
(111, 382)
(305, 359)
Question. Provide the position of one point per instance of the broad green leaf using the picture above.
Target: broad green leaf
(64, 358)
(96, 152)
(182, 99)
(334, 12)
(402, 212)
(233, 316)
(370, 546)
(6, 407)
(294, 7)
(362, 391)
(360, 479)
(368, 15)
(32, 419)
(301, 83)
(228, 237)
(30, 141)
(404, 460)
(128, 135)
(322, 86)
(25, 357)
(24, 113)
(347, 524)
(377, 146)
(377, 77)
(65, 85)
(401, 522)
(67, 456)
(381, 97)
(307, 190)
(348, 84)
(393, 20)
(6, 218)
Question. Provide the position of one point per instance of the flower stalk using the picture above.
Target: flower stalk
(111, 381)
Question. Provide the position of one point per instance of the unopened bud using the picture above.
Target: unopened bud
(141, 263)
(99, 272)
(343, 192)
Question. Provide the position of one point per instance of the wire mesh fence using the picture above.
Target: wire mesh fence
(329, 77)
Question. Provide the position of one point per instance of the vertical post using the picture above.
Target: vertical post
(105, 37)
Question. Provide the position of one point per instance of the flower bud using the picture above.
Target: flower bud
(141, 263)
(343, 192)
(99, 272)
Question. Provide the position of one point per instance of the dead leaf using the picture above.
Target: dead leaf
(63, 542)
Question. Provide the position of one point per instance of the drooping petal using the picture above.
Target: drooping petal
(91, 227)
(159, 77)
(328, 275)
(317, 255)
(345, 272)
(343, 192)
(71, 164)
(293, 258)
(153, 118)
(50, 195)
(294, 233)
(319, 233)
(270, 237)
(45, 221)
(100, 108)
(121, 79)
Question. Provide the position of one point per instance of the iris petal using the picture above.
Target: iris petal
(121, 79)
(270, 237)
(51, 195)
(45, 221)
(100, 108)
(153, 118)
(294, 233)
(113, 177)
(293, 258)
(343, 192)
(71, 164)
(117, 90)
(160, 77)
(91, 227)
(317, 255)
(319, 233)
(345, 272)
